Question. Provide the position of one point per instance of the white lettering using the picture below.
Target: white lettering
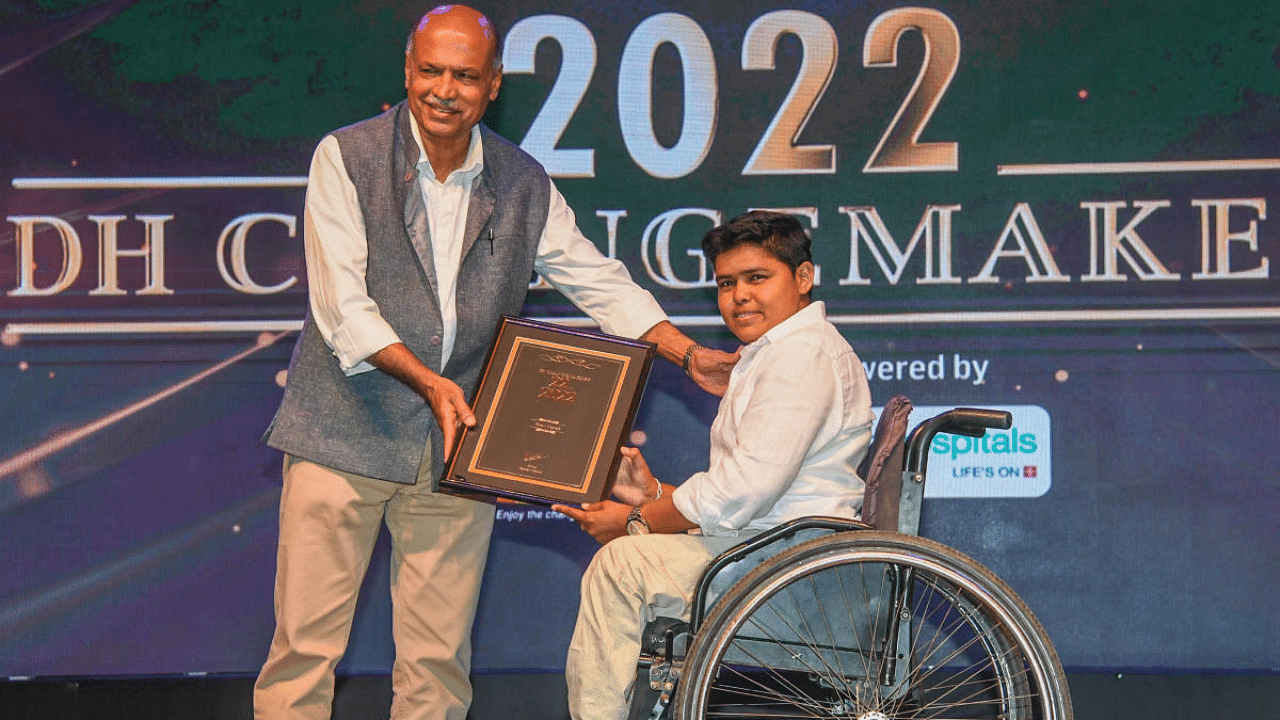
(1215, 250)
(1125, 243)
(658, 233)
(937, 255)
(237, 275)
(965, 368)
(1046, 270)
(151, 253)
(25, 239)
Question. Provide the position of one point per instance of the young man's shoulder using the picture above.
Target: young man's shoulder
(805, 345)
(811, 327)
(825, 337)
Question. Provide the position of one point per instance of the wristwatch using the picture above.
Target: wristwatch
(636, 524)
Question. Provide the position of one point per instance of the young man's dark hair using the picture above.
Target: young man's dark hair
(781, 234)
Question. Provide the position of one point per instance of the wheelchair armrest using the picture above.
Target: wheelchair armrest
(756, 544)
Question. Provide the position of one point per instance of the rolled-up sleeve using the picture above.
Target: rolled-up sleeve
(788, 413)
(598, 285)
(337, 255)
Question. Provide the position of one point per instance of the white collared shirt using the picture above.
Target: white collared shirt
(337, 256)
(446, 204)
(790, 432)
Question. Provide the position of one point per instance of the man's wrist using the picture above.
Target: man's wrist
(688, 359)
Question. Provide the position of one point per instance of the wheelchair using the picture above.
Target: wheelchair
(856, 620)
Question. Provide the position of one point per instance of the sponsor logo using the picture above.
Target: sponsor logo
(1003, 463)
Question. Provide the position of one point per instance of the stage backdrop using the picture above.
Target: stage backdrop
(1066, 209)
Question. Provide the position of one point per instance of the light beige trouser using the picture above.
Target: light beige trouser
(329, 521)
(630, 581)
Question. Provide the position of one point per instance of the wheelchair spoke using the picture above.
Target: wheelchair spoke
(786, 648)
(771, 686)
(838, 670)
(869, 611)
(981, 678)
(810, 640)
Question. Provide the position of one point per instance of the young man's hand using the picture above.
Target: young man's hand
(635, 483)
(604, 521)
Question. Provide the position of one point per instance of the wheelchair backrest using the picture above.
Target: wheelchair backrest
(881, 468)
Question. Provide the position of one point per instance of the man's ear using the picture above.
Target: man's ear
(497, 84)
(804, 276)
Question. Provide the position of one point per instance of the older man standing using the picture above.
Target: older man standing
(423, 227)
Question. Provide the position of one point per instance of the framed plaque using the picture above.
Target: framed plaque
(552, 408)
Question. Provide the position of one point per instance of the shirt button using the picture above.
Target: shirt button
(435, 339)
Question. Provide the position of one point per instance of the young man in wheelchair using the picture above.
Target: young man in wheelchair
(791, 428)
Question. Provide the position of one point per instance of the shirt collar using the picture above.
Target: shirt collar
(810, 314)
(471, 166)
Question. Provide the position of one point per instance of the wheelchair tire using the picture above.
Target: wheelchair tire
(941, 637)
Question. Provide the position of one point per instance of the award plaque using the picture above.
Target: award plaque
(552, 408)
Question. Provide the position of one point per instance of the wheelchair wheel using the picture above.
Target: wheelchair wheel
(871, 626)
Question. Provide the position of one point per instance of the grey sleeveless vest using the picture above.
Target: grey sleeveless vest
(371, 424)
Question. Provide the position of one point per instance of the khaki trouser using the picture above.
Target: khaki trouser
(630, 581)
(329, 521)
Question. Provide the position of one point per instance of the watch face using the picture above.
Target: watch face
(635, 522)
